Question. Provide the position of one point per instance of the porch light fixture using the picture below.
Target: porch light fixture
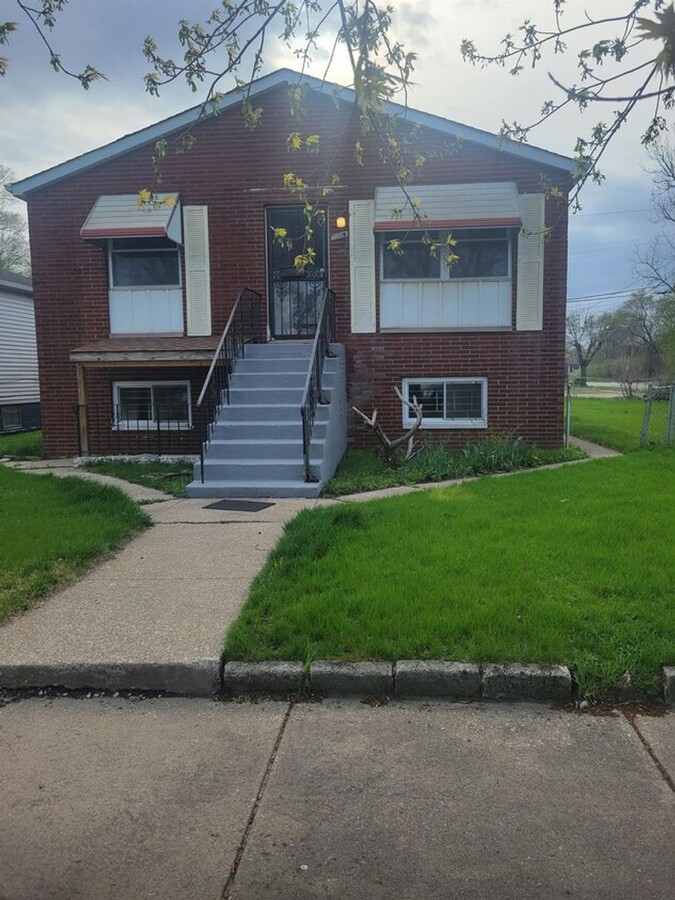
(340, 222)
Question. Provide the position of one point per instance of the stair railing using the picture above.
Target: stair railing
(243, 327)
(313, 394)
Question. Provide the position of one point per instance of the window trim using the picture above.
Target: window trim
(445, 269)
(147, 424)
(467, 423)
(110, 250)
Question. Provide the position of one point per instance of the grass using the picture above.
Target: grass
(365, 470)
(507, 569)
(51, 529)
(170, 477)
(23, 445)
(613, 423)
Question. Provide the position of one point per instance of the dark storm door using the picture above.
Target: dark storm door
(295, 294)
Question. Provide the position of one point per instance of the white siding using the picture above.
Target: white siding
(445, 304)
(448, 202)
(152, 311)
(18, 353)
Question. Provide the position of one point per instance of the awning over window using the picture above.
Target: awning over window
(121, 215)
(492, 205)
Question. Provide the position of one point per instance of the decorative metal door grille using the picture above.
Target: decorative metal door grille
(295, 294)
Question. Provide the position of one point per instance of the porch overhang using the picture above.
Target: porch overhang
(146, 351)
(125, 216)
(447, 206)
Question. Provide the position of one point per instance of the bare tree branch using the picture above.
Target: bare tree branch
(390, 447)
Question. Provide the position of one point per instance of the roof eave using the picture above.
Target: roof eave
(137, 139)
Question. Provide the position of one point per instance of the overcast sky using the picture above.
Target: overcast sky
(47, 118)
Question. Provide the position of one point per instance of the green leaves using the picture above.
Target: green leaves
(610, 73)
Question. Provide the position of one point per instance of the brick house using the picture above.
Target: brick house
(132, 301)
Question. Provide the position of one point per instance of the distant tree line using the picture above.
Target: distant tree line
(637, 341)
(631, 344)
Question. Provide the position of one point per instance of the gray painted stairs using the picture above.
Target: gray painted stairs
(255, 449)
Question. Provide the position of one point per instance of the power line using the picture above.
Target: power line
(613, 212)
(626, 292)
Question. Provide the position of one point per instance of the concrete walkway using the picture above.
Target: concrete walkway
(154, 615)
(111, 799)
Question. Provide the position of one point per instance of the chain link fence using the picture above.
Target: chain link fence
(658, 422)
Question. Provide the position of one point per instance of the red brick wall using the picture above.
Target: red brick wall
(236, 173)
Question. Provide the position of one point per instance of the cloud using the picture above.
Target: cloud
(48, 118)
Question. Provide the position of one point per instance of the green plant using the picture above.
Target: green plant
(53, 528)
(170, 477)
(24, 445)
(365, 470)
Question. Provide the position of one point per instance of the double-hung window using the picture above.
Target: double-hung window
(446, 280)
(447, 402)
(146, 296)
(143, 404)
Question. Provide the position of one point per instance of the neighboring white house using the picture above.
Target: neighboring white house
(19, 389)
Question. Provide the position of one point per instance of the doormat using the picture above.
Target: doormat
(239, 505)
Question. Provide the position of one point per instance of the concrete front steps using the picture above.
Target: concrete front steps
(255, 448)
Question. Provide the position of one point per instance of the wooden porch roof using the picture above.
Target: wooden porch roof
(119, 351)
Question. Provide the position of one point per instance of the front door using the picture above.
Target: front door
(294, 295)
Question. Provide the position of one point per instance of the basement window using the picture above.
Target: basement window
(141, 405)
(11, 418)
(447, 402)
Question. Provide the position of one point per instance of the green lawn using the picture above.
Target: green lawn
(52, 528)
(613, 423)
(366, 470)
(170, 477)
(24, 445)
(572, 565)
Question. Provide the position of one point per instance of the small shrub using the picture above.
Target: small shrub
(364, 470)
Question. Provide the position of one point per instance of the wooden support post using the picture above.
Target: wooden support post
(670, 423)
(649, 400)
(82, 410)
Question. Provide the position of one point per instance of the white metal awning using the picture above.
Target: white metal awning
(491, 205)
(122, 215)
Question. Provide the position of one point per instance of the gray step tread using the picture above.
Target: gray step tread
(262, 463)
(286, 442)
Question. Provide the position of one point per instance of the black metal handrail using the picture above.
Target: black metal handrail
(242, 328)
(313, 392)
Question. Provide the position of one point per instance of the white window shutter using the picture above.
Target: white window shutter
(362, 265)
(197, 269)
(530, 291)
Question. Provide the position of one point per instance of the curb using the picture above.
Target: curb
(516, 681)
(669, 685)
(405, 679)
(196, 678)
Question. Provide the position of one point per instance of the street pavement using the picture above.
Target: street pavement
(110, 798)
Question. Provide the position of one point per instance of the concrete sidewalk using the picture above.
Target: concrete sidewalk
(154, 615)
(109, 799)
